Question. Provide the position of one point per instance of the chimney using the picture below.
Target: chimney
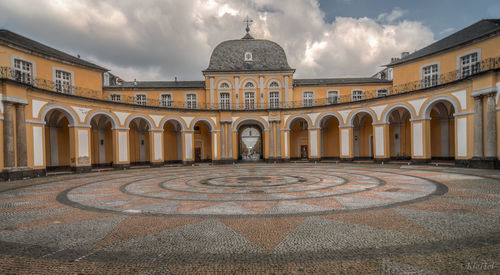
(394, 59)
(404, 54)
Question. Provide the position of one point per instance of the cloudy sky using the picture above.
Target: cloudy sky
(161, 39)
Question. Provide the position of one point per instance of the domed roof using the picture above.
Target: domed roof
(248, 54)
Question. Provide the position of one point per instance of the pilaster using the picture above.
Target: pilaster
(121, 154)
(156, 148)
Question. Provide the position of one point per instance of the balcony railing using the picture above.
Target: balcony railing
(445, 78)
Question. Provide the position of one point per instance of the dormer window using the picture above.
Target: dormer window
(248, 56)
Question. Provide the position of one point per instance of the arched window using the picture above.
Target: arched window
(274, 84)
(224, 85)
(249, 85)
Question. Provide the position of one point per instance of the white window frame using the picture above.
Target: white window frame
(382, 89)
(189, 103)
(308, 102)
(249, 105)
(224, 88)
(430, 79)
(274, 81)
(168, 103)
(357, 97)
(274, 103)
(248, 56)
(249, 82)
(24, 59)
(225, 105)
(61, 88)
(460, 67)
(141, 102)
(114, 94)
(332, 99)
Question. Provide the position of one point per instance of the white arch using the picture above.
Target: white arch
(114, 122)
(71, 119)
(274, 78)
(426, 109)
(132, 117)
(292, 118)
(387, 112)
(259, 120)
(180, 121)
(209, 121)
(224, 79)
(243, 81)
(323, 116)
(353, 115)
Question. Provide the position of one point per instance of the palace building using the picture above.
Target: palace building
(58, 111)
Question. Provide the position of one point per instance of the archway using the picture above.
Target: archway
(250, 142)
(399, 133)
(58, 140)
(442, 130)
(330, 142)
(202, 143)
(363, 135)
(139, 141)
(101, 141)
(172, 138)
(299, 139)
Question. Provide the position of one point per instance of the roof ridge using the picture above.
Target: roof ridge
(47, 47)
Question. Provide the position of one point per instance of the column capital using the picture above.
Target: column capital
(484, 91)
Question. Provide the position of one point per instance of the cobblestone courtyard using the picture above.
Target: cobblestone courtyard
(254, 218)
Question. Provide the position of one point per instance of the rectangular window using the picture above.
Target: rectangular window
(430, 76)
(115, 97)
(470, 64)
(307, 99)
(166, 100)
(382, 92)
(191, 101)
(333, 97)
(357, 95)
(225, 101)
(63, 82)
(274, 100)
(141, 99)
(249, 100)
(23, 71)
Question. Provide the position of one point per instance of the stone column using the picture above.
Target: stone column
(223, 140)
(278, 140)
(286, 140)
(271, 140)
(491, 126)
(230, 141)
(22, 152)
(8, 135)
(478, 126)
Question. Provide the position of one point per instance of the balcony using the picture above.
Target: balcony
(7, 73)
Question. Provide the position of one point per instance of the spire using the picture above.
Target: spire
(248, 21)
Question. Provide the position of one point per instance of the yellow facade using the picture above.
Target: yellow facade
(449, 120)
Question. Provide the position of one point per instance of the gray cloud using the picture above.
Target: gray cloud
(160, 39)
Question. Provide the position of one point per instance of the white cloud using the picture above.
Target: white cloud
(160, 39)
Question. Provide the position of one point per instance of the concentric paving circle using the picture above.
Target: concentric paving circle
(256, 191)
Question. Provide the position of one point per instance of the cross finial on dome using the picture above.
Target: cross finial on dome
(248, 21)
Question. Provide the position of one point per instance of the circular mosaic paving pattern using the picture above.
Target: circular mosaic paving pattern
(259, 191)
